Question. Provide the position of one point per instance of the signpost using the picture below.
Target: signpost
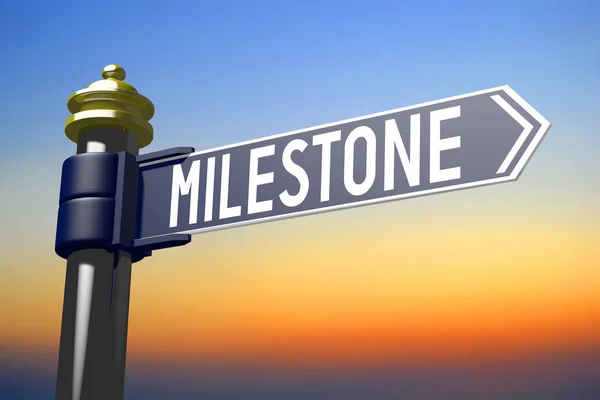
(466, 141)
(116, 206)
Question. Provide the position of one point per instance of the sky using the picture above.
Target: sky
(490, 292)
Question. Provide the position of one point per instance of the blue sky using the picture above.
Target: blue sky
(220, 72)
(224, 72)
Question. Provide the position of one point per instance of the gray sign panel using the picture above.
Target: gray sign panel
(466, 141)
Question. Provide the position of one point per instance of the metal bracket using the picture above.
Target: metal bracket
(98, 205)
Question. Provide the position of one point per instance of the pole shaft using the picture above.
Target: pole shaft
(84, 354)
(91, 362)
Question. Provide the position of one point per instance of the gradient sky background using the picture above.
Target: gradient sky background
(488, 293)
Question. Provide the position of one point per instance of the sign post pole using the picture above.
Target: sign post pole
(117, 206)
(109, 125)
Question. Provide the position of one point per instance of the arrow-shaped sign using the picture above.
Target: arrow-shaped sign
(466, 141)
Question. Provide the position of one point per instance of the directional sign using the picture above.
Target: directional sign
(466, 141)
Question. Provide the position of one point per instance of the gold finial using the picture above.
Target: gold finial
(114, 71)
(110, 102)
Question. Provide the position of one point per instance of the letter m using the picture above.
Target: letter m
(183, 187)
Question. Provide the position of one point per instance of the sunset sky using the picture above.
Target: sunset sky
(491, 292)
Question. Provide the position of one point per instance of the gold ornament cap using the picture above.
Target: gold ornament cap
(110, 102)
